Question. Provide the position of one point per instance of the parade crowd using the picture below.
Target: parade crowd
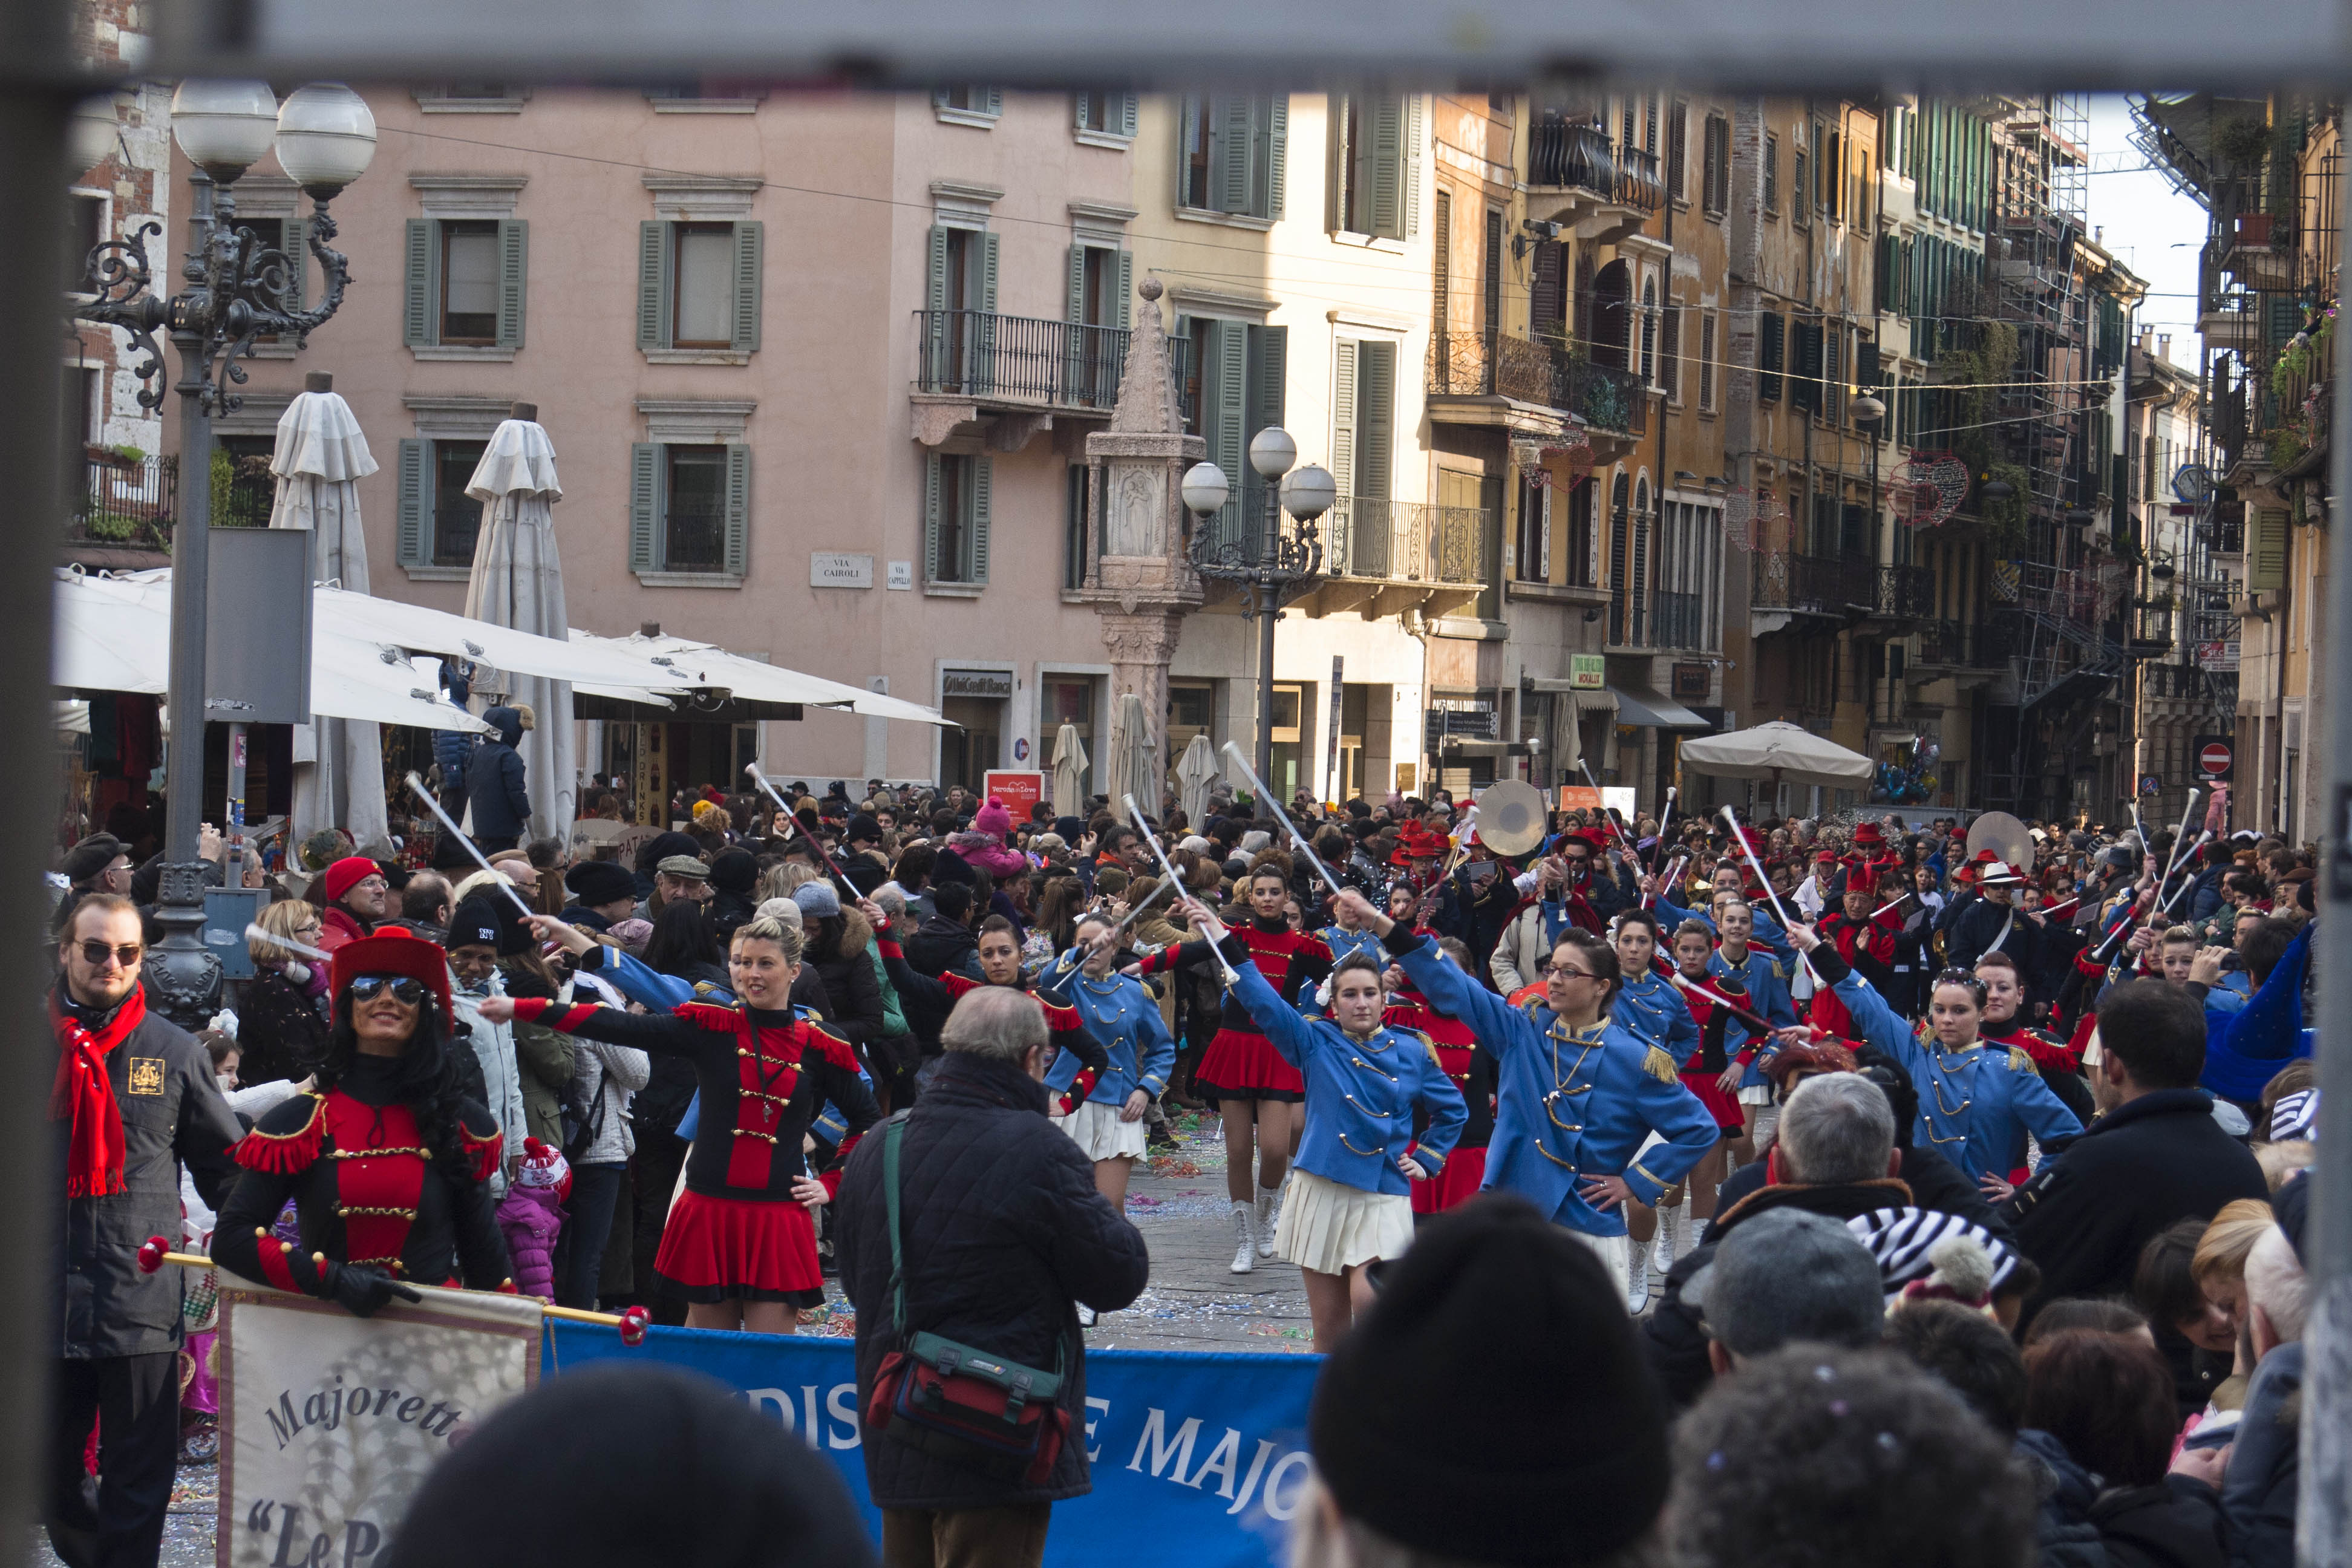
(1690, 1189)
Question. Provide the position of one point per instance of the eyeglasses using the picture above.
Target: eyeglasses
(1566, 970)
(404, 990)
(96, 954)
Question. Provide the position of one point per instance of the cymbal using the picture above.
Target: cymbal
(1511, 817)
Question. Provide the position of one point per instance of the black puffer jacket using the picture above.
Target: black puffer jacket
(847, 972)
(1004, 1229)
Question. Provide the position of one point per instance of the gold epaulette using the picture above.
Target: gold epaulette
(2020, 1062)
(1661, 1066)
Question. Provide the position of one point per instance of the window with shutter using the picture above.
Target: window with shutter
(2266, 549)
(702, 271)
(744, 326)
(653, 285)
(1277, 154)
(696, 485)
(1799, 200)
(1414, 136)
(1678, 151)
(416, 517)
(296, 244)
(1384, 172)
(1490, 321)
(982, 477)
(644, 507)
(1706, 359)
(1771, 173)
(1228, 437)
(1269, 352)
(453, 519)
(1833, 371)
(1649, 356)
(1233, 142)
(1670, 351)
(1376, 417)
(1343, 419)
(468, 310)
(737, 549)
(514, 269)
(1805, 377)
(419, 321)
(969, 104)
(1772, 356)
(934, 495)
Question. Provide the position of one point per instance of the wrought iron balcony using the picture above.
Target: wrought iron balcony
(125, 502)
(1025, 360)
(1904, 592)
(1563, 155)
(1532, 371)
(1419, 541)
(1831, 586)
(1965, 644)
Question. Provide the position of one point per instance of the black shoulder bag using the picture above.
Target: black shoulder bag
(952, 1400)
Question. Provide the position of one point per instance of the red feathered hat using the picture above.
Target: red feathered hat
(1415, 842)
(393, 950)
(1867, 833)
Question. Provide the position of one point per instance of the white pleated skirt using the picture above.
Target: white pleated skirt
(1330, 1228)
(1095, 1128)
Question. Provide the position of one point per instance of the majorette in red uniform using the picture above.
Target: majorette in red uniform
(1472, 1069)
(1868, 948)
(1065, 1029)
(1241, 1063)
(375, 1185)
(738, 1233)
(1701, 1074)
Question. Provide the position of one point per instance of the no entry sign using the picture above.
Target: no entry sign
(2214, 757)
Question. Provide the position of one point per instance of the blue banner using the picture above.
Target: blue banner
(1199, 1461)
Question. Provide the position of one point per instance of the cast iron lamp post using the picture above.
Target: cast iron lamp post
(237, 290)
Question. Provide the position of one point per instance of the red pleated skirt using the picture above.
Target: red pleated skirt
(1724, 1107)
(1456, 1184)
(1240, 1065)
(722, 1249)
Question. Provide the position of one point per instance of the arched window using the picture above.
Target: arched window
(1650, 331)
(1618, 542)
(1638, 585)
(1611, 323)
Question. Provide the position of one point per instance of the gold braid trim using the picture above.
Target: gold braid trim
(1661, 1066)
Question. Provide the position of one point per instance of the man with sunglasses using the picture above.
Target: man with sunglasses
(133, 1099)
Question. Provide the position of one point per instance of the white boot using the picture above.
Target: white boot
(1245, 1238)
(1269, 1200)
(1662, 1250)
(1637, 1287)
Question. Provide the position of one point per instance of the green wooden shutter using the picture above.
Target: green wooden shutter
(415, 505)
(1386, 116)
(2266, 549)
(745, 336)
(931, 517)
(1376, 395)
(982, 473)
(939, 98)
(1771, 355)
(514, 269)
(1074, 311)
(983, 348)
(1340, 175)
(1277, 153)
(987, 273)
(1189, 110)
(1270, 349)
(935, 301)
(419, 321)
(1233, 155)
(1343, 418)
(296, 244)
(739, 508)
(653, 285)
(1125, 290)
(1409, 172)
(993, 96)
(1232, 437)
(1078, 111)
(644, 507)
(1123, 110)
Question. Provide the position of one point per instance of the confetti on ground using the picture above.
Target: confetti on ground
(1171, 1165)
(833, 1321)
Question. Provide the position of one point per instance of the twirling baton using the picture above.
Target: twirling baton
(1148, 900)
(1732, 822)
(793, 823)
(1168, 872)
(2180, 838)
(1280, 816)
(1753, 1020)
(417, 786)
(1673, 870)
(1625, 843)
(1664, 823)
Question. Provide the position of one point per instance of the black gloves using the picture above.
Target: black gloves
(362, 1293)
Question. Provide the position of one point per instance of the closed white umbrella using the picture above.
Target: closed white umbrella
(1134, 758)
(1069, 772)
(1195, 775)
(1781, 752)
(518, 582)
(319, 460)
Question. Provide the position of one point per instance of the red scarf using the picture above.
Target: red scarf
(84, 1096)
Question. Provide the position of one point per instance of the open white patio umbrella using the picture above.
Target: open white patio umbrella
(319, 458)
(518, 580)
(1781, 752)
(1196, 773)
(1069, 772)
(1134, 757)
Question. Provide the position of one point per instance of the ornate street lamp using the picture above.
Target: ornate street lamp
(239, 290)
(1271, 567)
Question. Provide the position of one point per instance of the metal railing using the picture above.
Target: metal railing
(1369, 536)
(1533, 371)
(125, 501)
(1815, 585)
(1024, 358)
(1966, 645)
(1906, 592)
(1565, 156)
(1677, 620)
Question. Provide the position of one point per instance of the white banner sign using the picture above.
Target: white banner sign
(330, 1423)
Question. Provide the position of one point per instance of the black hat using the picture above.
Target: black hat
(633, 1464)
(734, 871)
(594, 882)
(91, 856)
(864, 829)
(491, 920)
(1495, 1405)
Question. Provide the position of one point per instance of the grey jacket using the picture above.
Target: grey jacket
(171, 1113)
(602, 1078)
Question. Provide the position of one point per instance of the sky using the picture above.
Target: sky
(2148, 226)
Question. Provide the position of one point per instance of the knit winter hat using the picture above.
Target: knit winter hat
(817, 900)
(489, 920)
(1494, 1406)
(346, 874)
(1916, 1249)
(734, 871)
(993, 818)
(543, 1165)
(628, 1464)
